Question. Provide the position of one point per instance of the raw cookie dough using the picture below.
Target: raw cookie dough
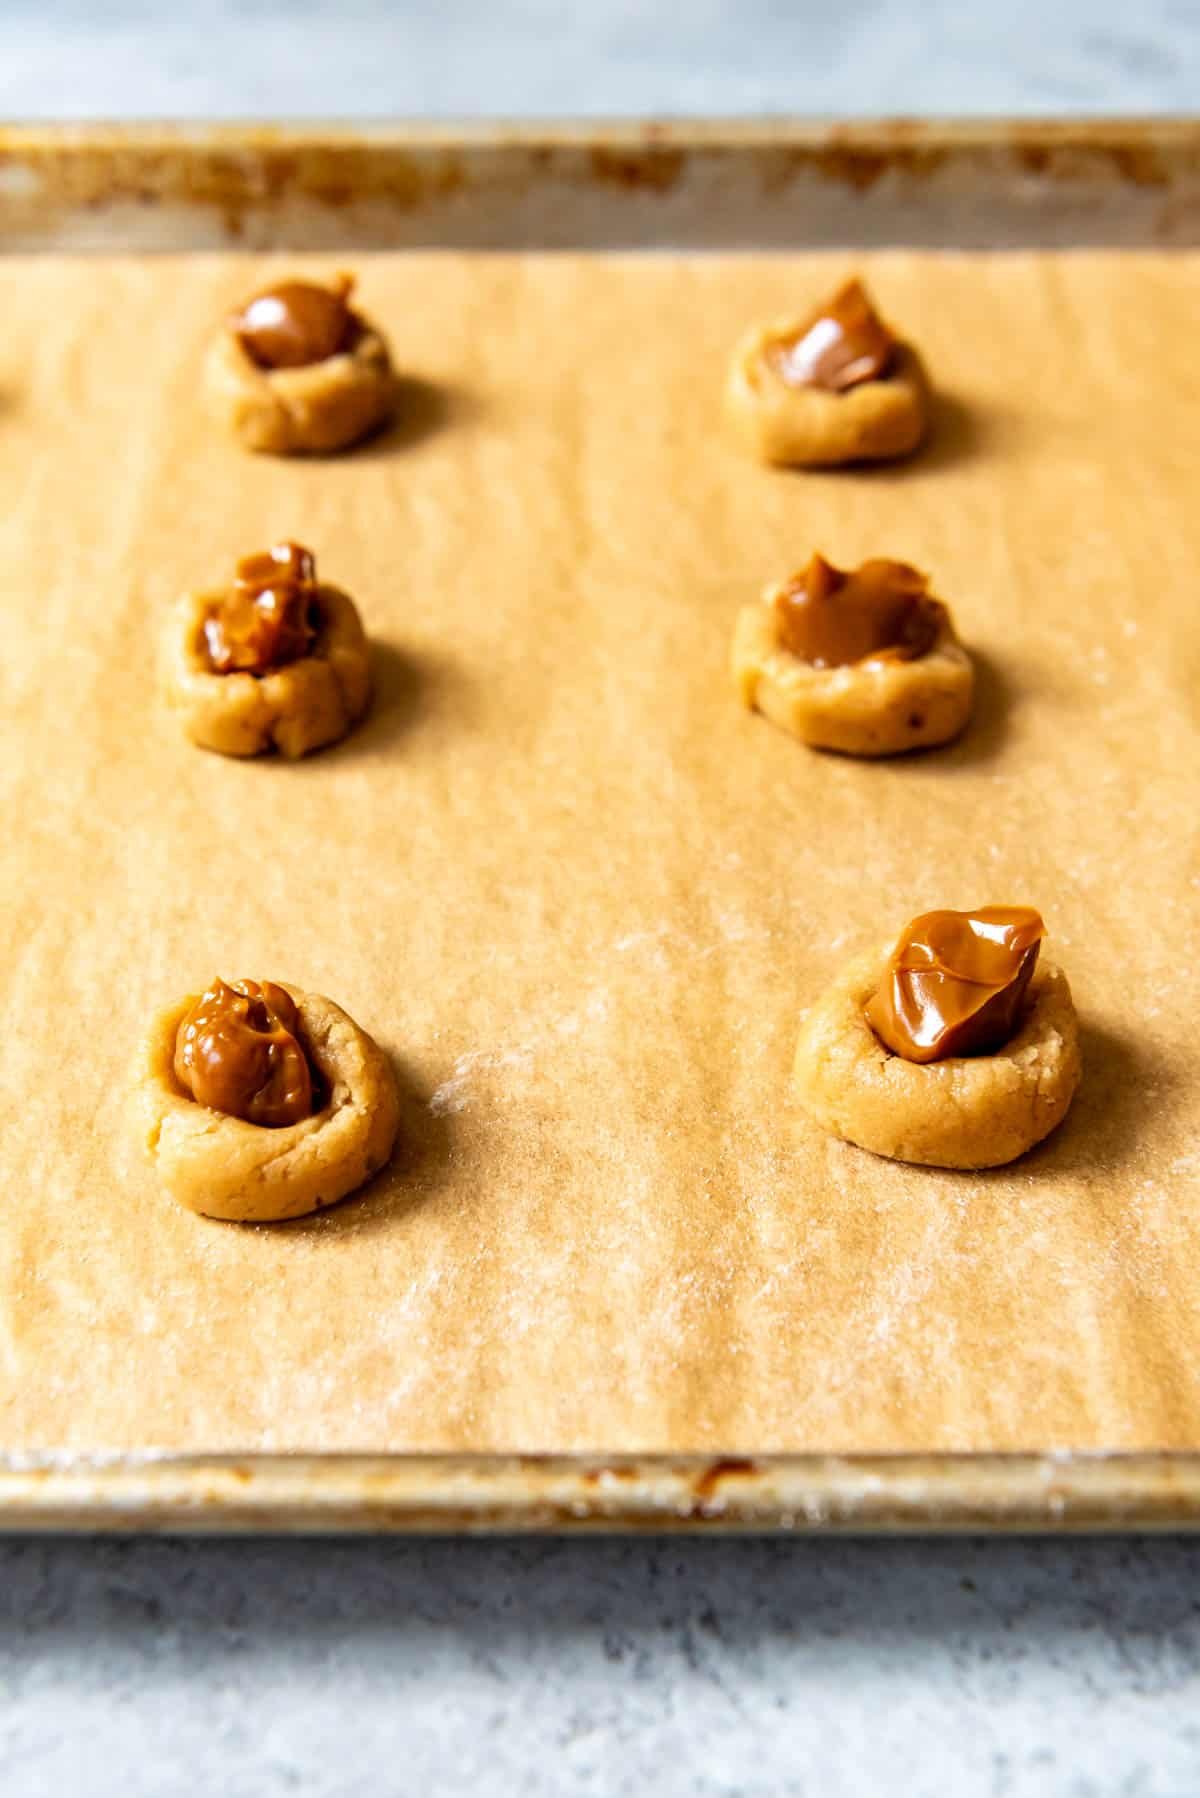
(963, 1112)
(300, 706)
(873, 707)
(296, 408)
(831, 387)
(223, 1167)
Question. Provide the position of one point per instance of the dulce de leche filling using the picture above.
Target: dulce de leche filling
(830, 617)
(955, 982)
(297, 323)
(843, 343)
(238, 1051)
(270, 616)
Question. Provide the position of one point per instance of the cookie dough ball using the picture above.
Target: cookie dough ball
(834, 386)
(278, 660)
(867, 662)
(298, 371)
(950, 1048)
(258, 1102)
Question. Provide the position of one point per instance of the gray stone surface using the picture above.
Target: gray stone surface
(266, 1669)
(940, 1670)
(90, 58)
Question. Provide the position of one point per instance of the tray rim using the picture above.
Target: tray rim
(1060, 1492)
(692, 181)
(986, 130)
(810, 1493)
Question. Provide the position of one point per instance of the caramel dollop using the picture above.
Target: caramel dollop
(881, 611)
(843, 343)
(296, 323)
(238, 1051)
(270, 616)
(955, 982)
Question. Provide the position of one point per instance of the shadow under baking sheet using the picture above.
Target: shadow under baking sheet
(600, 1659)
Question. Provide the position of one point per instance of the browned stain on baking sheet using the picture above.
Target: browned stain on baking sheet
(656, 169)
(605, 1476)
(257, 176)
(719, 1473)
(236, 174)
(1140, 165)
(901, 147)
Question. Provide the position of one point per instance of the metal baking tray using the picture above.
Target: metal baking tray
(698, 185)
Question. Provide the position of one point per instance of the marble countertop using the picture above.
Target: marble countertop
(826, 1668)
(360, 1669)
(306, 58)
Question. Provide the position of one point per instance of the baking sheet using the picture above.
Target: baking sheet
(579, 893)
(692, 183)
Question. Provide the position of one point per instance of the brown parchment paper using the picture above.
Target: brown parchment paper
(579, 893)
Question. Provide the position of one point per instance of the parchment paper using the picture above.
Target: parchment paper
(580, 893)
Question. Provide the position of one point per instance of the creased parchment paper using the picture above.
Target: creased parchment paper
(580, 894)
